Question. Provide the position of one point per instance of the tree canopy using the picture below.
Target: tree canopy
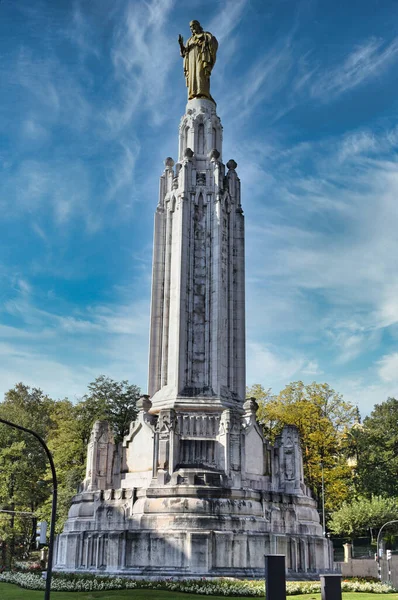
(363, 514)
(114, 401)
(23, 464)
(321, 416)
(25, 483)
(375, 447)
(359, 460)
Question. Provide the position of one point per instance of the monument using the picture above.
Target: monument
(194, 489)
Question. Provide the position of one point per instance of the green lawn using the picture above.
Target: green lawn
(348, 596)
(13, 592)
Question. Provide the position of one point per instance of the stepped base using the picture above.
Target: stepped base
(187, 554)
(189, 531)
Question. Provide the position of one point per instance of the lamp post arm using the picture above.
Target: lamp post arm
(53, 506)
(378, 540)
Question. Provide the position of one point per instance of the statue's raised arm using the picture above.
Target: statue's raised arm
(181, 42)
(199, 55)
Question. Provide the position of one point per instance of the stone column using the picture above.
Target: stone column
(100, 452)
(114, 551)
(347, 552)
(166, 444)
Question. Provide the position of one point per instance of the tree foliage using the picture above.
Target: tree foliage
(375, 447)
(22, 459)
(25, 482)
(362, 515)
(24, 485)
(321, 416)
(116, 402)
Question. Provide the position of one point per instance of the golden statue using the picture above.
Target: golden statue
(199, 56)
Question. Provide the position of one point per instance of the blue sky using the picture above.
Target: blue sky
(92, 95)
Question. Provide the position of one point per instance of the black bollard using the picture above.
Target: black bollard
(275, 577)
(331, 587)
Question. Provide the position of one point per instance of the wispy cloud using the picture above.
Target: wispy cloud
(123, 319)
(388, 368)
(106, 338)
(43, 371)
(228, 19)
(357, 143)
(62, 188)
(365, 62)
(142, 58)
(123, 167)
(81, 32)
(350, 345)
(264, 79)
(52, 91)
(364, 389)
(333, 262)
(291, 73)
(273, 366)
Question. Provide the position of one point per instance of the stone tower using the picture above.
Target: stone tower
(194, 488)
(197, 340)
(197, 337)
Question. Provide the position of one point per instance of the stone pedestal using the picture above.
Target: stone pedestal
(347, 552)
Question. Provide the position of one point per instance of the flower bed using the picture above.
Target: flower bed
(72, 582)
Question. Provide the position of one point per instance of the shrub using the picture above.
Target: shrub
(73, 582)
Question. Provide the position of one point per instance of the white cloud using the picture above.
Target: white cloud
(123, 167)
(127, 319)
(387, 311)
(31, 129)
(39, 231)
(268, 74)
(63, 353)
(312, 368)
(227, 19)
(61, 188)
(142, 61)
(364, 389)
(355, 144)
(36, 369)
(52, 91)
(81, 32)
(272, 369)
(350, 346)
(388, 368)
(363, 63)
(321, 250)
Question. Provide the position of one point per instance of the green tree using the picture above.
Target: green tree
(72, 424)
(321, 416)
(68, 448)
(375, 446)
(24, 484)
(116, 402)
(363, 515)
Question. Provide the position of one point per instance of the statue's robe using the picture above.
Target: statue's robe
(199, 59)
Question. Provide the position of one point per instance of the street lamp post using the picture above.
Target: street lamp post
(53, 505)
(323, 503)
(377, 545)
